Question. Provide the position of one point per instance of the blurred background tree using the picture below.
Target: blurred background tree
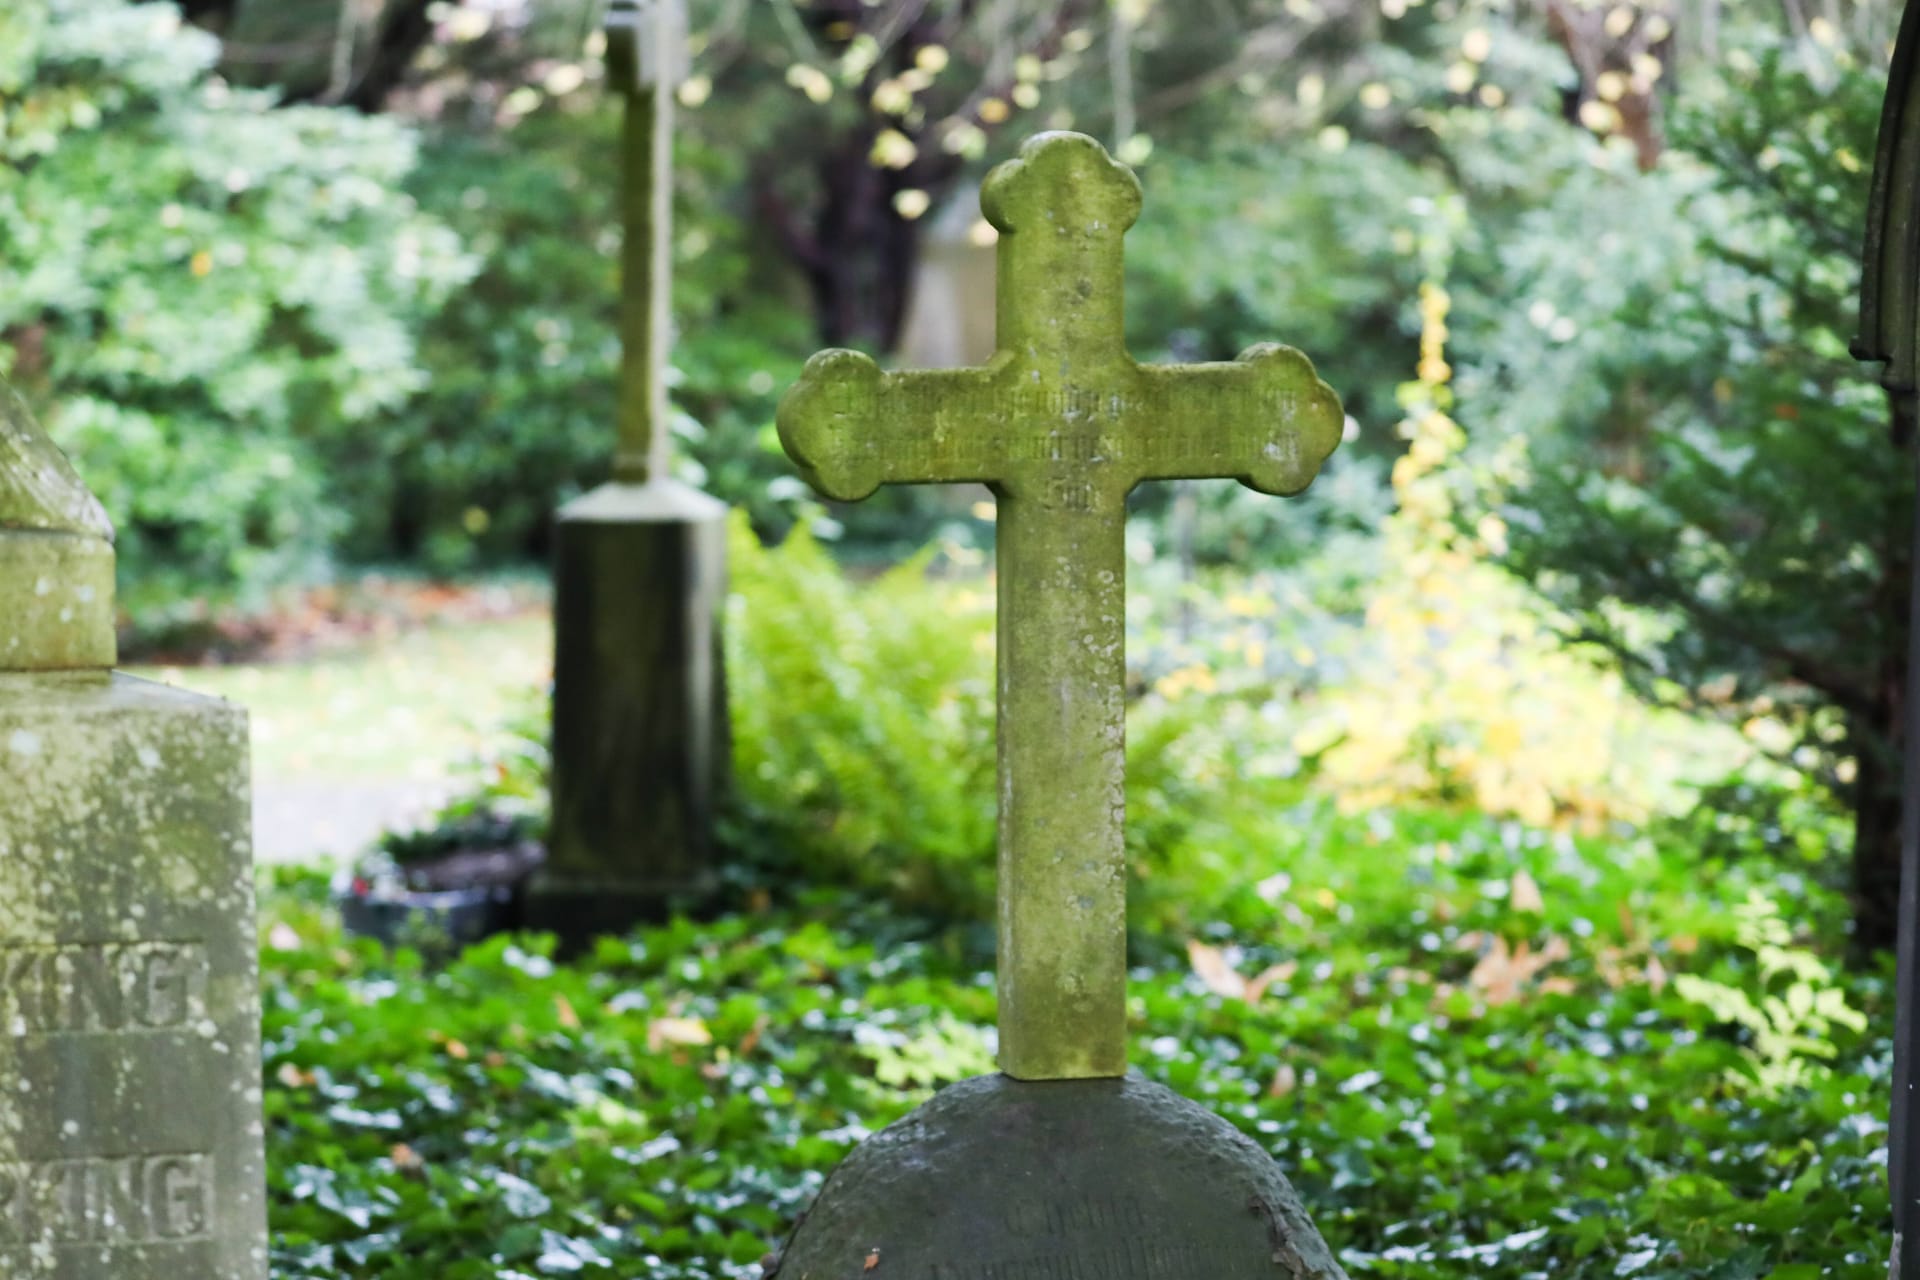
(1687, 460)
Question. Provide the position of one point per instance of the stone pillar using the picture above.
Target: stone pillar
(130, 1123)
(639, 707)
(639, 702)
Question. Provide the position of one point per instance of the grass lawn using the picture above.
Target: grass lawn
(376, 734)
(415, 705)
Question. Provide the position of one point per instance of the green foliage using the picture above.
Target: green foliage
(1792, 1024)
(1304, 246)
(1709, 483)
(1453, 1068)
(212, 301)
(471, 825)
(863, 722)
(518, 412)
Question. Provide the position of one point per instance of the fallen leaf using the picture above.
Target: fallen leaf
(457, 1050)
(1503, 973)
(752, 1038)
(293, 1077)
(1656, 974)
(1284, 1082)
(873, 1260)
(1211, 967)
(1524, 894)
(1282, 972)
(662, 1032)
(568, 1018)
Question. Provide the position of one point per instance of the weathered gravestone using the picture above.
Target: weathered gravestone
(1890, 335)
(130, 1130)
(639, 705)
(1063, 1166)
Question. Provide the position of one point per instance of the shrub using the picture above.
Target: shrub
(211, 301)
(518, 411)
(1710, 490)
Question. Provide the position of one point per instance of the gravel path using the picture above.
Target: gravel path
(318, 821)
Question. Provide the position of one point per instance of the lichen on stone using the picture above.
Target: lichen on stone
(39, 489)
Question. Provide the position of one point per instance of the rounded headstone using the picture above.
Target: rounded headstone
(1002, 1179)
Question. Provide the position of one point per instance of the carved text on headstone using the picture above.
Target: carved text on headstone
(98, 988)
(117, 1201)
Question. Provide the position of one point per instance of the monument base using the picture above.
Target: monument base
(639, 707)
(1000, 1179)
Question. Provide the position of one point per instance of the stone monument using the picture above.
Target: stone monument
(639, 703)
(1063, 1165)
(130, 1127)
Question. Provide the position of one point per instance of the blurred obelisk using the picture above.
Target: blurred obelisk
(639, 703)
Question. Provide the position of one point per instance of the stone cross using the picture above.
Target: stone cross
(639, 688)
(646, 61)
(1062, 423)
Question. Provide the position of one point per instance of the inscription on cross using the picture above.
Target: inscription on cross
(646, 61)
(1062, 423)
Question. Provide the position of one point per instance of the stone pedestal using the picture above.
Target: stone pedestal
(640, 745)
(998, 1179)
(130, 1130)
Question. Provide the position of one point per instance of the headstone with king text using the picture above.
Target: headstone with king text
(1064, 1164)
(639, 702)
(130, 1122)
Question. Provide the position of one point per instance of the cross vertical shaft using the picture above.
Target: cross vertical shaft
(1062, 732)
(643, 47)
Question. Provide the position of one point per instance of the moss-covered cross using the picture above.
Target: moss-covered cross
(646, 61)
(1062, 423)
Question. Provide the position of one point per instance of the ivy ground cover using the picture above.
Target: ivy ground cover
(1475, 1046)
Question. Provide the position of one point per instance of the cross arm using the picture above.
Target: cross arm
(1265, 419)
(852, 428)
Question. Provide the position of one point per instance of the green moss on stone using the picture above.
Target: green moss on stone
(1062, 423)
(56, 554)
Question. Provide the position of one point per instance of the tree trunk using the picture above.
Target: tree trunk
(1876, 850)
(867, 251)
